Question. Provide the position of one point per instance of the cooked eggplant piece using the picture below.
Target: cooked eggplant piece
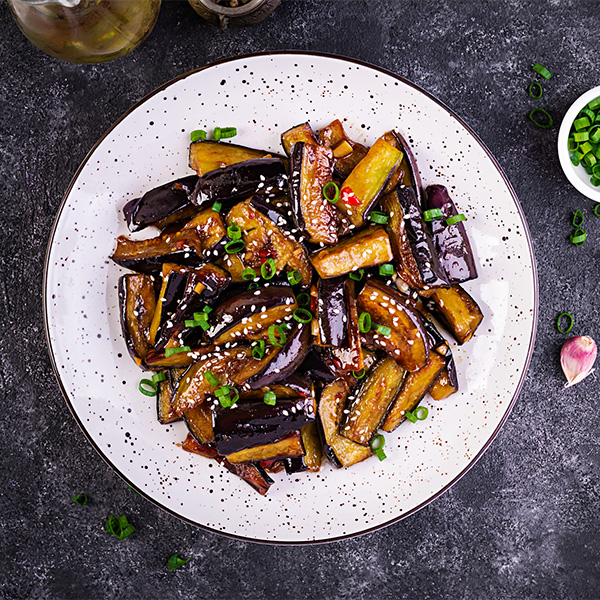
(264, 240)
(416, 385)
(316, 368)
(347, 154)
(408, 169)
(240, 181)
(137, 304)
(268, 207)
(311, 168)
(255, 423)
(313, 448)
(332, 312)
(161, 206)
(199, 422)
(368, 406)
(340, 363)
(287, 360)
(292, 387)
(207, 227)
(252, 474)
(250, 313)
(164, 410)
(367, 181)
(414, 253)
(456, 310)
(208, 155)
(367, 248)
(157, 359)
(407, 342)
(341, 451)
(445, 385)
(298, 133)
(289, 446)
(451, 241)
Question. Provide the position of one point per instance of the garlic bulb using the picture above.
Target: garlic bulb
(577, 358)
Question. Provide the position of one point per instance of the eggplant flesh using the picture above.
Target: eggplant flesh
(240, 180)
(367, 248)
(451, 241)
(253, 422)
(164, 408)
(311, 168)
(162, 205)
(333, 135)
(446, 384)
(313, 448)
(298, 133)
(174, 282)
(208, 155)
(289, 446)
(199, 423)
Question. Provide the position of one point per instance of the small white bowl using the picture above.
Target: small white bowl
(576, 175)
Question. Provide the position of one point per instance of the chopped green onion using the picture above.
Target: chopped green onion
(270, 398)
(217, 134)
(217, 206)
(303, 300)
(176, 561)
(80, 499)
(578, 218)
(200, 316)
(228, 132)
(234, 232)
(575, 160)
(594, 134)
(433, 213)
(383, 330)
(258, 350)
(207, 309)
(211, 378)
(359, 374)
(223, 395)
(268, 269)
(235, 246)
(198, 134)
(171, 351)
(585, 148)
(581, 136)
(595, 181)
(336, 196)
(364, 322)
(378, 217)
(254, 285)
(572, 144)
(248, 274)
(581, 123)
(357, 275)
(549, 122)
(535, 90)
(596, 170)
(158, 377)
(277, 329)
(119, 527)
(455, 219)
(594, 104)
(410, 416)
(294, 277)
(386, 269)
(376, 445)
(590, 160)
(541, 70)
(147, 387)
(302, 315)
(569, 318)
(421, 413)
(578, 238)
(586, 112)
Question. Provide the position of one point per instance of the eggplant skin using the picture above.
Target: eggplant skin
(162, 205)
(332, 136)
(289, 446)
(451, 241)
(298, 133)
(332, 312)
(241, 180)
(208, 155)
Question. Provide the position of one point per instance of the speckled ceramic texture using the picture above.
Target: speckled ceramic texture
(262, 96)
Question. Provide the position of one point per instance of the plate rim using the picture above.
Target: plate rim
(452, 114)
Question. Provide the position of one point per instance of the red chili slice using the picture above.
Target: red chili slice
(348, 197)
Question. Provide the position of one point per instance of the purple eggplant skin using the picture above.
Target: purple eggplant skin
(315, 368)
(451, 241)
(413, 177)
(299, 383)
(436, 339)
(176, 285)
(421, 243)
(286, 361)
(451, 368)
(169, 202)
(241, 180)
(264, 205)
(253, 423)
(247, 303)
(333, 312)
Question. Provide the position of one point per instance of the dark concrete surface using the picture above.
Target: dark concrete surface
(523, 523)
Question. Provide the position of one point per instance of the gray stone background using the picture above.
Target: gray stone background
(523, 523)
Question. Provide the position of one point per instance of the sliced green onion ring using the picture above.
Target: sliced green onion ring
(228, 132)
(578, 218)
(572, 144)
(421, 413)
(176, 561)
(275, 330)
(234, 232)
(433, 213)
(578, 237)
(235, 246)
(211, 378)
(303, 300)
(119, 527)
(533, 116)
(294, 277)
(270, 398)
(331, 186)
(410, 416)
(217, 206)
(597, 209)
(376, 445)
(364, 322)
(386, 269)
(570, 321)
(541, 70)
(147, 387)
(158, 377)
(80, 499)
(359, 374)
(302, 315)
(198, 134)
(581, 123)
(171, 351)
(248, 274)
(258, 349)
(378, 217)
(455, 219)
(357, 275)
(268, 269)
(535, 90)
(576, 162)
(383, 330)
(217, 134)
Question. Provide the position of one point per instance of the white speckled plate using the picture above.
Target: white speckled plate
(263, 95)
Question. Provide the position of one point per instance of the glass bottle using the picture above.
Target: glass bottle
(234, 13)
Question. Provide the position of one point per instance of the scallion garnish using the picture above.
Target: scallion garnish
(578, 218)
(274, 331)
(535, 90)
(147, 387)
(176, 561)
(270, 398)
(223, 395)
(455, 219)
(410, 416)
(581, 123)
(228, 132)
(595, 103)
(119, 527)
(303, 300)
(268, 269)
(596, 209)
(248, 274)
(432, 214)
(383, 330)
(569, 318)
(80, 499)
(357, 275)
(421, 413)
(376, 445)
(364, 322)
(378, 217)
(200, 316)
(547, 121)
(294, 277)
(386, 269)
(578, 237)
(171, 351)
(211, 378)
(217, 134)
(235, 246)
(234, 232)
(217, 206)
(198, 134)
(191, 323)
(541, 70)
(302, 315)
(258, 350)
(336, 194)
(158, 377)
(359, 374)
(254, 285)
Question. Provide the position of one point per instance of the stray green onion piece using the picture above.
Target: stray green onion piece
(119, 527)
(376, 445)
(217, 134)
(176, 561)
(274, 331)
(578, 237)
(234, 232)
(248, 274)
(270, 398)
(386, 269)
(535, 90)
(546, 121)
(302, 315)
(578, 218)
(211, 379)
(410, 416)
(217, 206)
(254, 285)
(268, 269)
(357, 275)
(80, 499)
(132, 490)
(223, 395)
(294, 277)
(258, 350)
(421, 413)
(235, 246)
(455, 219)
(569, 318)
(541, 70)
(198, 134)
(326, 192)
(171, 351)
(207, 309)
(200, 316)
(581, 123)
(228, 132)
(433, 213)
(595, 103)
(303, 300)
(359, 374)
(364, 322)
(383, 330)
(147, 387)
(158, 377)
(378, 217)
(597, 210)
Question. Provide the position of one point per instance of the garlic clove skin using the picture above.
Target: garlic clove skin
(577, 358)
